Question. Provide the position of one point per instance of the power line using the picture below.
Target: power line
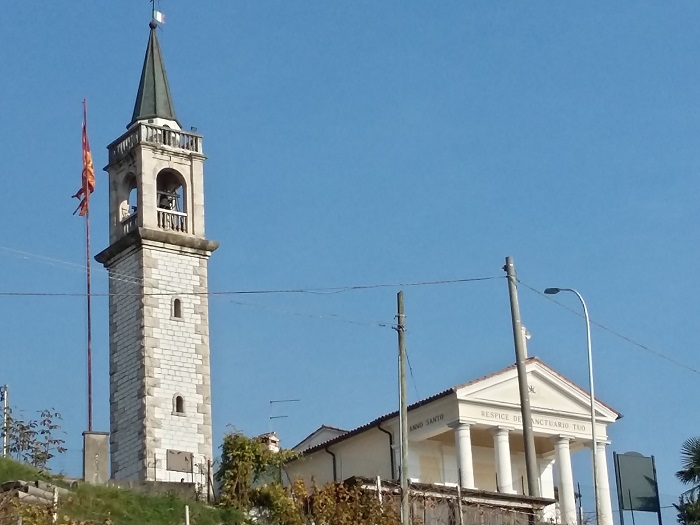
(81, 267)
(321, 291)
(332, 317)
(658, 354)
(413, 378)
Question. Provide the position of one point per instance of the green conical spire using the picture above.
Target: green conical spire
(153, 99)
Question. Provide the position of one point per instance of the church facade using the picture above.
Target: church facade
(471, 435)
(160, 399)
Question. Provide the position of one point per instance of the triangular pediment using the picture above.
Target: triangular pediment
(550, 392)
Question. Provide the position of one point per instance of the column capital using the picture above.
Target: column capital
(460, 423)
(500, 429)
(601, 443)
(562, 437)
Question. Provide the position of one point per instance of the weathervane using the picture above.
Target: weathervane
(156, 14)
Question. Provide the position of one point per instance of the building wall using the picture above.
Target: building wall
(155, 357)
(126, 367)
(367, 455)
(429, 461)
(317, 467)
(436, 462)
(177, 357)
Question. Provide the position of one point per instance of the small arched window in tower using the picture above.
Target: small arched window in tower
(177, 308)
(171, 202)
(178, 404)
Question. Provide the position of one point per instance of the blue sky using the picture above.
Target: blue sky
(376, 142)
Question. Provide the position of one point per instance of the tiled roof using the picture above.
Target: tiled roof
(376, 422)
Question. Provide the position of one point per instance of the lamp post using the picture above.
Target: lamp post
(552, 291)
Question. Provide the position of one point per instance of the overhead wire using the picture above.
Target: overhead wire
(328, 316)
(605, 328)
(112, 275)
(413, 378)
(170, 291)
(327, 290)
(53, 261)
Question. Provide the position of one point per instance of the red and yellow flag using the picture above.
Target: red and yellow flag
(88, 171)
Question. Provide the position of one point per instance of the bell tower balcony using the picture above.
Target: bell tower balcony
(156, 136)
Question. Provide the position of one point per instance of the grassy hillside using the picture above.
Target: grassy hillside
(121, 506)
(11, 470)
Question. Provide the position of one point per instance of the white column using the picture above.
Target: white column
(605, 516)
(549, 513)
(504, 472)
(567, 501)
(465, 463)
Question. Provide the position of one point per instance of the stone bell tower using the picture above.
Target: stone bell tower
(160, 401)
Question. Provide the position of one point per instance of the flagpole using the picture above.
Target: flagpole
(86, 190)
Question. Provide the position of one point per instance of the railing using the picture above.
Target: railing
(130, 223)
(159, 135)
(172, 220)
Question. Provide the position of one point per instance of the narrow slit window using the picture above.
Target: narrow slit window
(177, 308)
(179, 405)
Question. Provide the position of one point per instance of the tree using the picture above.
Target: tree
(244, 462)
(690, 459)
(688, 506)
(35, 441)
(47, 441)
(250, 475)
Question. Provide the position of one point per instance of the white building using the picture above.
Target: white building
(160, 401)
(476, 429)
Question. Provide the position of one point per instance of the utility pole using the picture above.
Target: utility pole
(403, 411)
(5, 422)
(528, 438)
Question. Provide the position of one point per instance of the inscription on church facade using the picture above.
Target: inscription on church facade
(426, 422)
(539, 421)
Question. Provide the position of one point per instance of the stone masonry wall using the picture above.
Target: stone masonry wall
(126, 367)
(177, 360)
(156, 356)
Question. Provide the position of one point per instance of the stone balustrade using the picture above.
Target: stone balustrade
(172, 220)
(130, 223)
(156, 135)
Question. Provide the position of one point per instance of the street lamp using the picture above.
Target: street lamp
(552, 291)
